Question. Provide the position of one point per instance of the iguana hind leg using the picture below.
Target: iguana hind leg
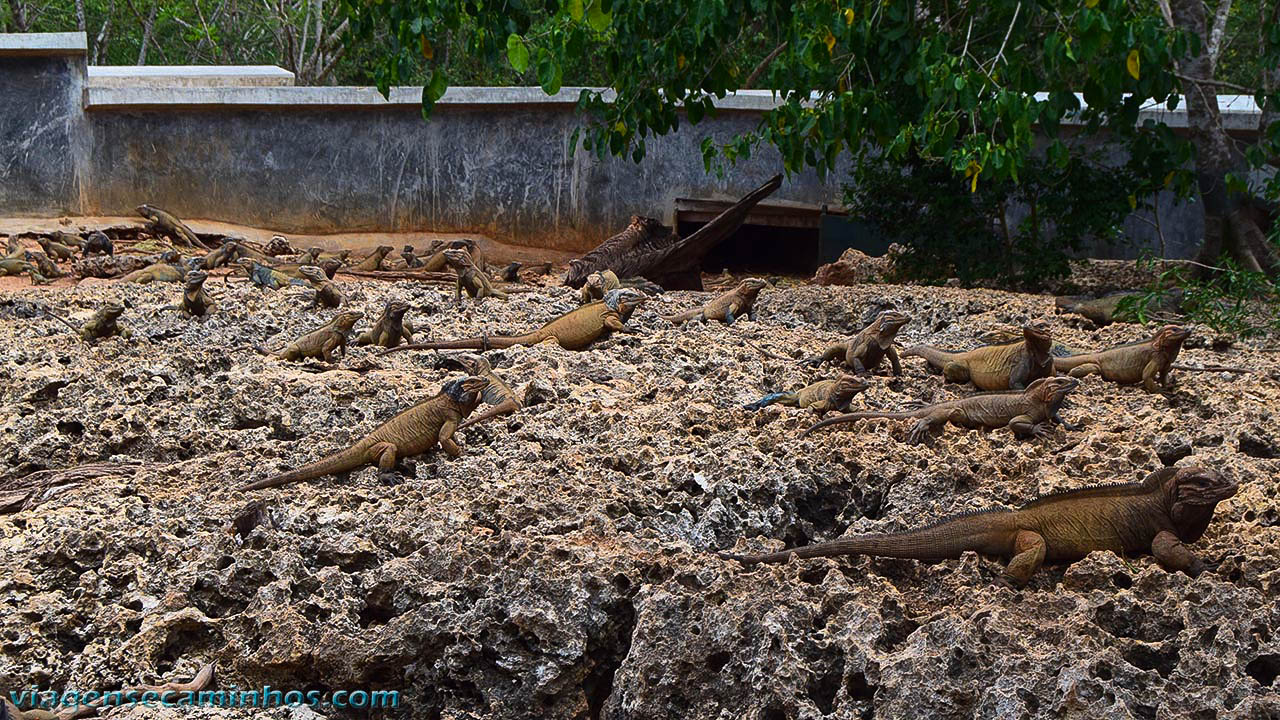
(956, 372)
(1028, 555)
(1085, 370)
(384, 454)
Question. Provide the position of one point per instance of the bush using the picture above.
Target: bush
(1228, 298)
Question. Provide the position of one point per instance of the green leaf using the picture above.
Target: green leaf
(517, 53)
(597, 18)
(549, 73)
(575, 10)
(433, 91)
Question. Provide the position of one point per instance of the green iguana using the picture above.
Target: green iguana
(320, 343)
(55, 249)
(1011, 366)
(574, 330)
(412, 432)
(865, 351)
(195, 300)
(104, 324)
(390, 327)
(726, 307)
(1147, 361)
(476, 283)
(1028, 413)
(170, 225)
(327, 292)
(374, 260)
(824, 396)
(1171, 507)
(167, 270)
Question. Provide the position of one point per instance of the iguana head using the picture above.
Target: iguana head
(169, 256)
(465, 390)
(347, 319)
(595, 280)
(577, 274)
(408, 250)
(146, 211)
(383, 250)
(471, 363)
(848, 385)
(196, 278)
(248, 264)
(1037, 336)
(312, 273)
(330, 267)
(111, 311)
(1192, 493)
(752, 286)
(624, 300)
(395, 310)
(1170, 338)
(1052, 390)
(891, 321)
(457, 257)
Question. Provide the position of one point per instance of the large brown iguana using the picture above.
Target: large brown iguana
(166, 270)
(320, 343)
(865, 351)
(374, 260)
(390, 327)
(471, 278)
(1011, 366)
(574, 330)
(1002, 334)
(726, 307)
(195, 300)
(1172, 506)
(327, 292)
(1028, 413)
(412, 432)
(824, 396)
(170, 225)
(1147, 361)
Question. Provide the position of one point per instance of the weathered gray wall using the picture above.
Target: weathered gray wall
(42, 133)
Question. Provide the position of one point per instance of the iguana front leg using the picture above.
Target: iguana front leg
(1028, 554)
(506, 406)
(892, 353)
(330, 345)
(445, 438)
(457, 291)
(928, 425)
(1173, 555)
(1058, 419)
(731, 313)
(1150, 375)
(614, 323)
(406, 330)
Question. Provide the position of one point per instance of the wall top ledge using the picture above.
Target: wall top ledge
(67, 43)
(189, 76)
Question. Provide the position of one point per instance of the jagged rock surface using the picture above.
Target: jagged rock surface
(561, 567)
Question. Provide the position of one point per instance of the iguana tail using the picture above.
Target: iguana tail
(850, 417)
(684, 317)
(348, 459)
(932, 355)
(765, 401)
(484, 342)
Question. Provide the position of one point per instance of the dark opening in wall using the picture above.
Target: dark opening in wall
(764, 249)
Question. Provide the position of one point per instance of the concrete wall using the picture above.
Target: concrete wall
(244, 145)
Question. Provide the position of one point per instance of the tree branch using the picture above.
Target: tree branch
(764, 65)
(1216, 31)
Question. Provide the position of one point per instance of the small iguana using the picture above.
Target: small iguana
(1028, 413)
(321, 343)
(342, 256)
(390, 328)
(511, 273)
(310, 257)
(195, 300)
(266, 277)
(574, 330)
(13, 248)
(1011, 366)
(411, 259)
(327, 292)
(871, 346)
(47, 267)
(1147, 361)
(166, 270)
(170, 225)
(55, 249)
(726, 307)
(824, 396)
(476, 283)
(71, 240)
(104, 324)
(497, 393)
(14, 265)
(98, 244)
(1171, 507)
(92, 702)
(597, 284)
(228, 251)
(374, 260)
(412, 432)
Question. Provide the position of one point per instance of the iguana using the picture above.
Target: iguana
(1028, 413)
(228, 251)
(1006, 334)
(822, 397)
(574, 330)
(195, 301)
(98, 244)
(726, 307)
(46, 266)
(14, 265)
(170, 693)
(310, 257)
(278, 245)
(330, 266)
(320, 343)
(436, 260)
(342, 256)
(171, 226)
(13, 248)
(71, 240)
(327, 292)
(164, 271)
(1147, 361)
(374, 260)
(104, 324)
(266, 277)
(1011, 366)
(598, 283)
(390, 328)
(411, 259)
(511, 273)
(476, 283)
(55, 249)
(871, 346)
(1171, 507)
(497, 393)
(410, 433)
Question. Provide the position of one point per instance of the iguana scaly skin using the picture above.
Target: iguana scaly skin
(71, 240)
(14, 265)
(1145, 362)
(1028, 413)
(470, 278)
(597, 284)
(98, 244)
(1006, 334)
(1011, 366)
(163, 271)
(104, 324)
(320, 343)
(822, 397)
(195, 301)
(390, 328)
(411, 259)
(266, 277)
(412, 432)
(55, 249)
(872, 345)
(574, 330)
(1172, 506)
(171, 226)
(497, 393)
(726, 307)
(374, 260)
(327, 292)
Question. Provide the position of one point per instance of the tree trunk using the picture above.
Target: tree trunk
(147, 25)
(1228, 223)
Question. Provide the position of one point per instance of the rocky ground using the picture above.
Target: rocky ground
(562, 567)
